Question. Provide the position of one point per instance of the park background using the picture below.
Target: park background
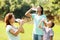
(19, 7)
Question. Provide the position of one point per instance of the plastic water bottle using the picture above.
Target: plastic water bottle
(35, 9)
(19, 20)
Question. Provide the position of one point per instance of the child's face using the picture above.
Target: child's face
(49, 24)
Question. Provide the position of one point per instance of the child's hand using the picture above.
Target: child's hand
(40, 27)
(43, 19)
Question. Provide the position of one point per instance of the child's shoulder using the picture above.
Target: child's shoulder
(51, 30)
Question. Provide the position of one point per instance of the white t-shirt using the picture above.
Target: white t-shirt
(47, 33)
(11, 36)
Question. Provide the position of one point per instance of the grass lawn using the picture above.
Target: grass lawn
(28, 27)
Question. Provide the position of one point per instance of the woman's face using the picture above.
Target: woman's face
(12, 20)
(38, 9)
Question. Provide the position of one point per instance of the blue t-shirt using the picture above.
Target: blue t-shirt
(37, 20)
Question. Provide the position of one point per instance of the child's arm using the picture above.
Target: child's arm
(51, 34)
(40, 25)
(51, 37)
(44, 21)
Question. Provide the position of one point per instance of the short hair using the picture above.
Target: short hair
(52, 25)
(50, 17)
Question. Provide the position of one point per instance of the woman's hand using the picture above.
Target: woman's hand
(21, 22)
(21, 29)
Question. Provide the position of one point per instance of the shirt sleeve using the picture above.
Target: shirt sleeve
(44, 16)
(33, 15)
(9, 28)
(51, 33)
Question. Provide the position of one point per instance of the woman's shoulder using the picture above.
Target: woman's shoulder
(8, 26)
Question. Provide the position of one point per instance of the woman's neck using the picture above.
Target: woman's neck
(11, 24)
(39, 13)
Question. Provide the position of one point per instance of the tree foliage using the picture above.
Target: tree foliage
(19, 7)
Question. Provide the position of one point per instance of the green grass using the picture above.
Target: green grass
(28, 27)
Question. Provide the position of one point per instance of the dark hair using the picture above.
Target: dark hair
(52, 25)
(7, 18)
(50, 17)
(41, 10)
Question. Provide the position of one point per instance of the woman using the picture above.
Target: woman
(37, 32)
(11, 30)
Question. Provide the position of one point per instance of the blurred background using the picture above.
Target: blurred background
(19, 7)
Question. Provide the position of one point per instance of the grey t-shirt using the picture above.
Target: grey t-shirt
(47, 33)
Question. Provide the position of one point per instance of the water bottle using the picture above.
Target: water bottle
(35, 9)
(19, 20)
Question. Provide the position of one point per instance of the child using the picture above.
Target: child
(48, 32)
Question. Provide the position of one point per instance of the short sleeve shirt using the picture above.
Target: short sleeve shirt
(47, 33)
(11, 36)
(37, 19)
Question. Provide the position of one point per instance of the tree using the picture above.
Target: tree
(20, 12)
(33, 1)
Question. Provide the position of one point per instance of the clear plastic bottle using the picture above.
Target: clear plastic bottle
(35, 9)
(19, 20)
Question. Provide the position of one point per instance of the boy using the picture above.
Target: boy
(48, 32)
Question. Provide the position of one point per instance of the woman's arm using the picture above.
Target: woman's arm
(20, 29)
(17, 32)
(28, 14)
